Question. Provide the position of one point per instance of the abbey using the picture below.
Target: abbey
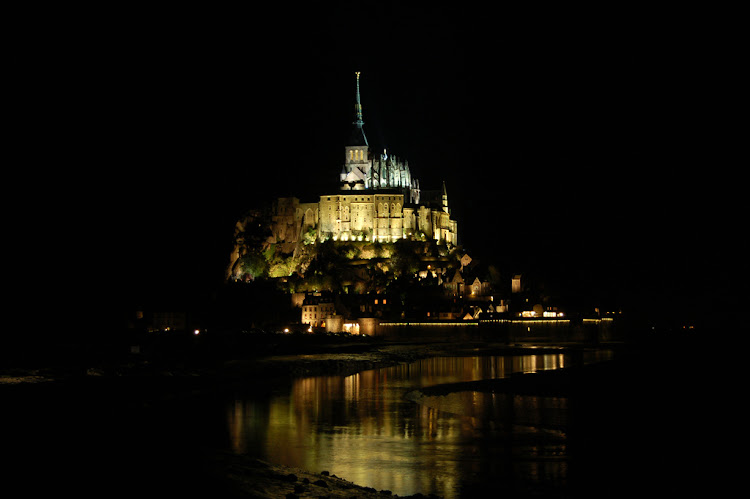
(378, 200)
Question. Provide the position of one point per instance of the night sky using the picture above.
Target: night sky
(591, 145)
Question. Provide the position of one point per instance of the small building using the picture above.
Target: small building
(454, 285)
(316, 309)
(480, 288)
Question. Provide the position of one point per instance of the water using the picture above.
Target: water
(376, 429)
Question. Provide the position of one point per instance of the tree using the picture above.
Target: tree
(310, 235)
(253, 264)
(405, 260)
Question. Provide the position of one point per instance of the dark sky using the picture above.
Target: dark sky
(586, 140)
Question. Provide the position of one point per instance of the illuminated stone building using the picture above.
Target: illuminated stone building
(316, 309)
(378, 200)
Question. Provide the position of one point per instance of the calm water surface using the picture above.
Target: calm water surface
(375, 429)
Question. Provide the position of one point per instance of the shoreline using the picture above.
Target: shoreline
(149, 395)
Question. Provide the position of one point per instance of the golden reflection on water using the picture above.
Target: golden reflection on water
(364, 429)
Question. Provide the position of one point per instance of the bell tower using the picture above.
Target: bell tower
(356, 153)
(357, 148)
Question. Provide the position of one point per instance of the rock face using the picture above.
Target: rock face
(249, 232)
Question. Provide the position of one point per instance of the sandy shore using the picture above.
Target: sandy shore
(250, 477)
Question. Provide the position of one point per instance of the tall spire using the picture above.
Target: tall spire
(358, 106)
(358, 134)
(445, 199)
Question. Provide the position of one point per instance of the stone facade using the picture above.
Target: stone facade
(378, 200)
(360, 216)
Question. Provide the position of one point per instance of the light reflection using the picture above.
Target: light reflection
(364, 429)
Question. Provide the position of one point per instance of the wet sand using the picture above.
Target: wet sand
(125, 426)
(130, 427)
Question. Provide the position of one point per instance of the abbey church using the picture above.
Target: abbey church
(378, 200)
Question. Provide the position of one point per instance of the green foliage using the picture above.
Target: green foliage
(368, 251)
(279, 269)
(442, 248)
(282, 265)
(269, 252)
(351, 251)
(310, 235)
(328, 265)
(253, 264)
(405, 257)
